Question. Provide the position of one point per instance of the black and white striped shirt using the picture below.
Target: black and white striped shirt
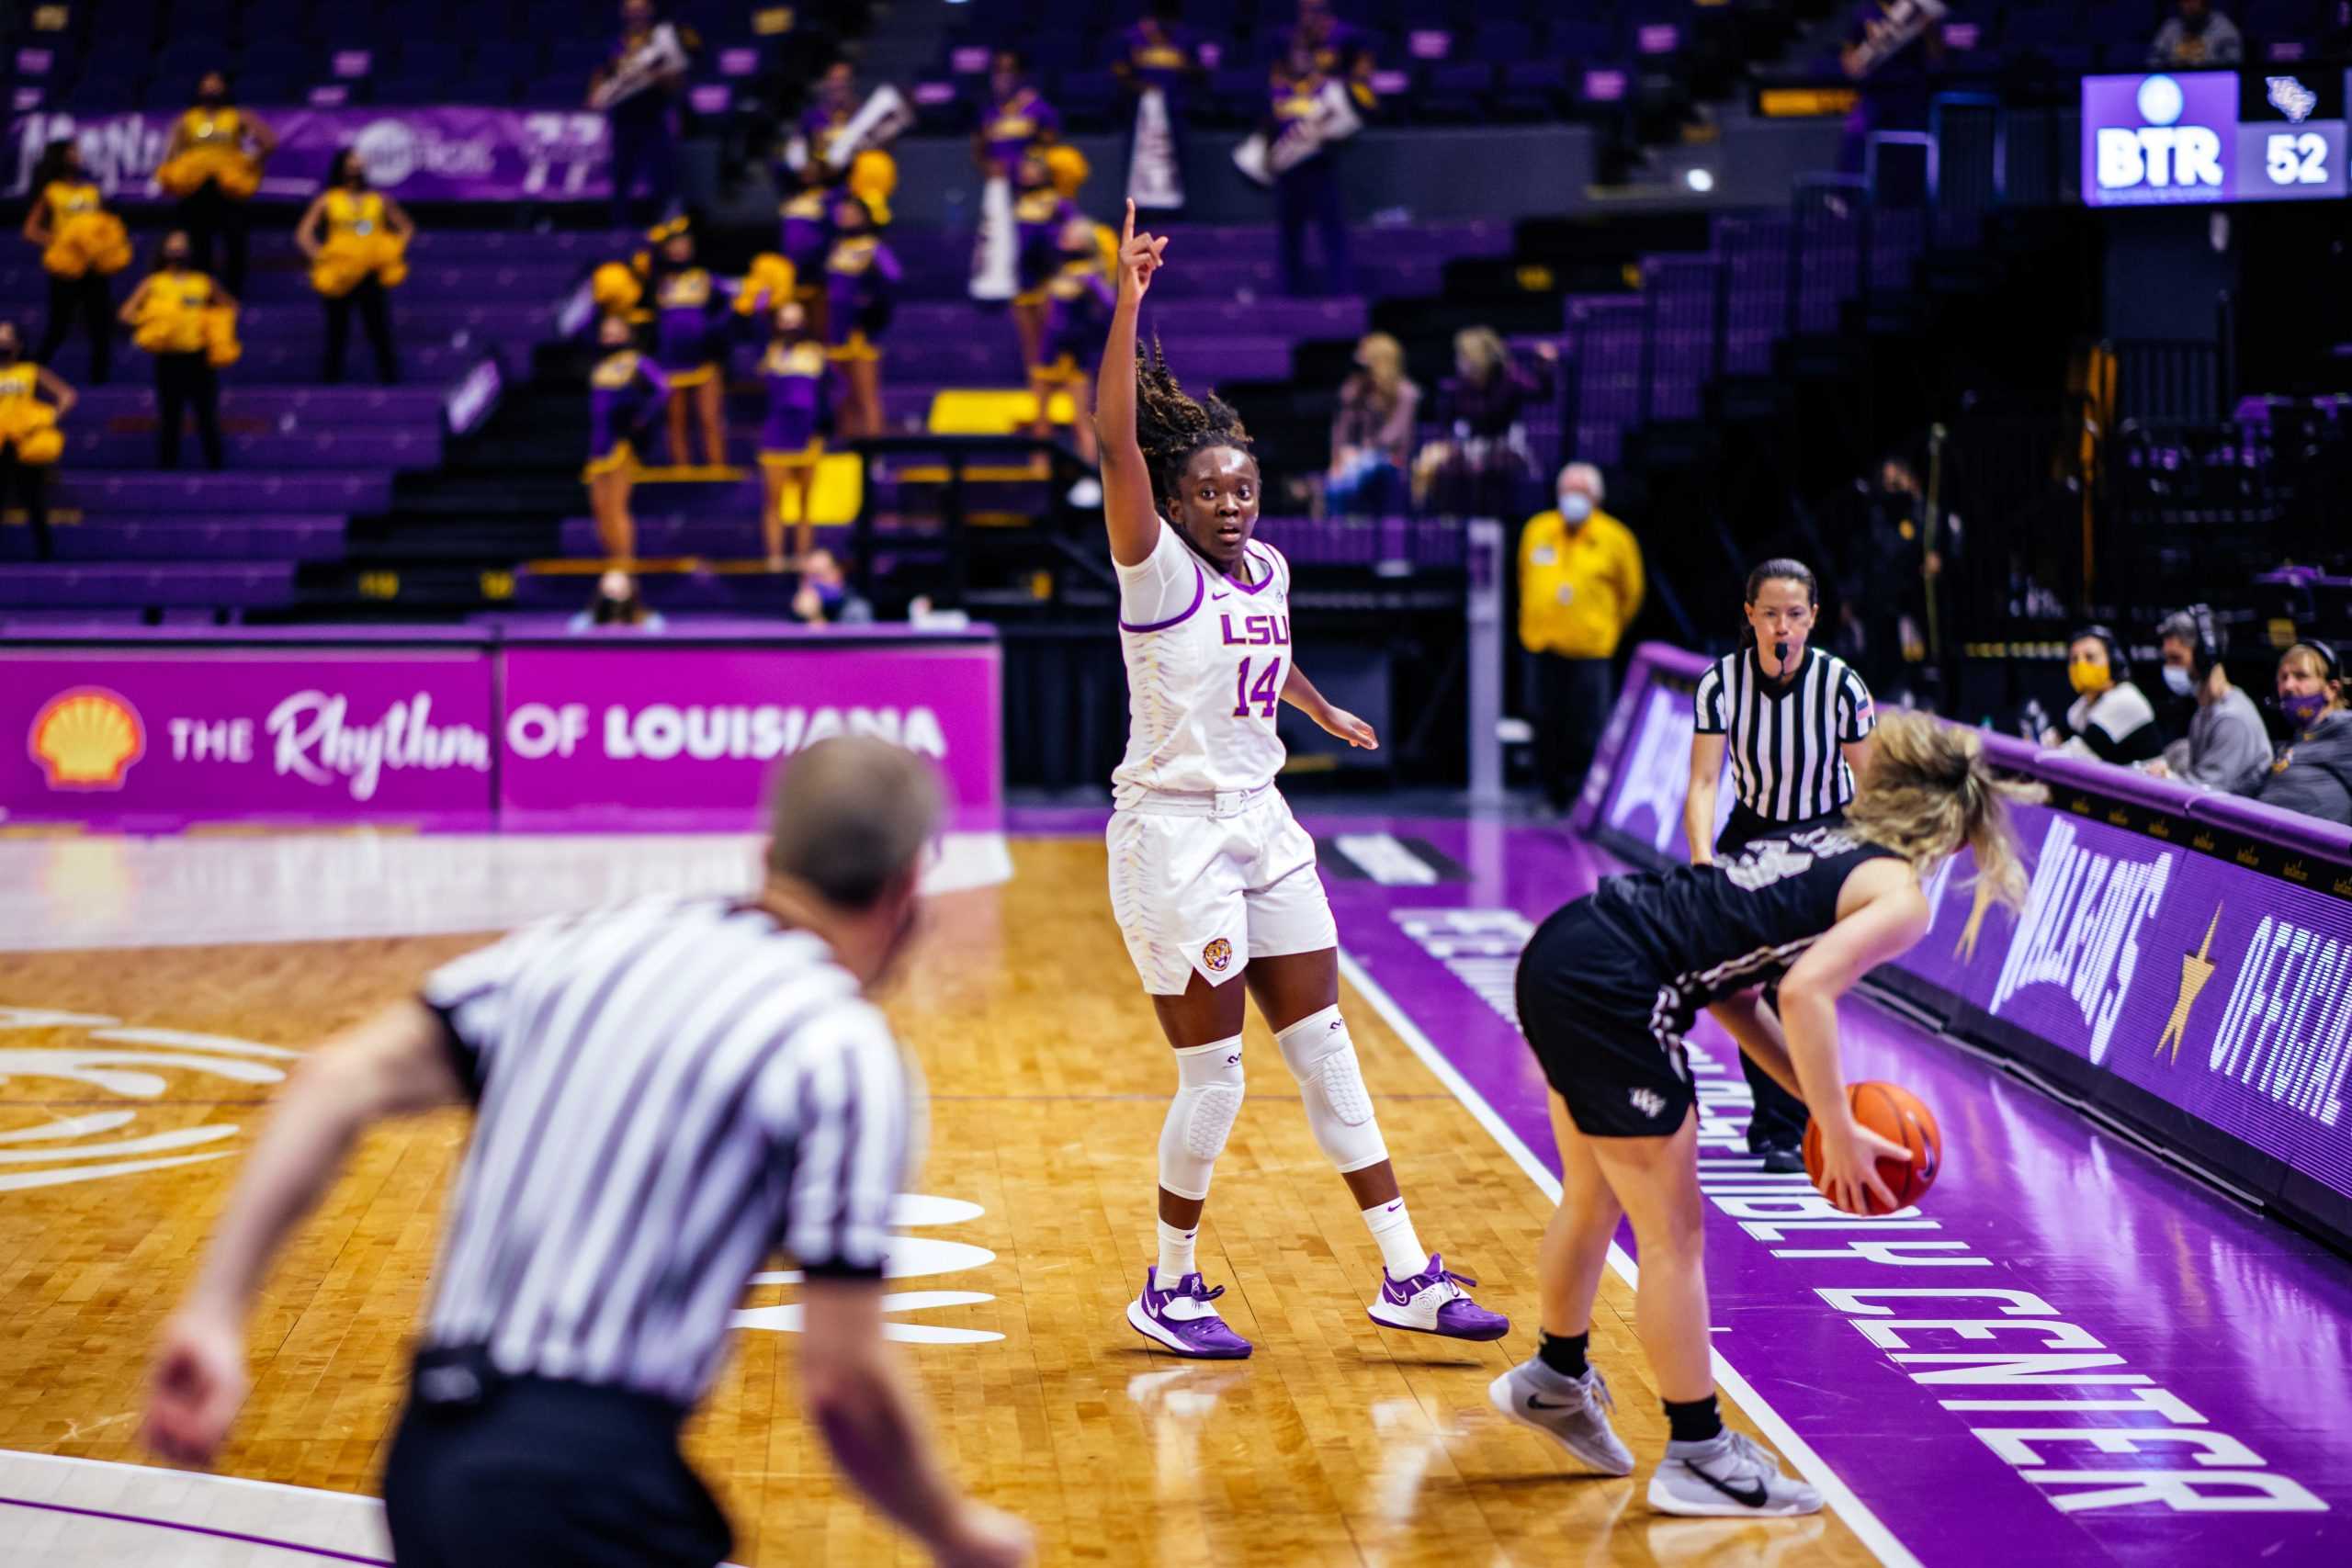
(666, 1093)
(1783, 739)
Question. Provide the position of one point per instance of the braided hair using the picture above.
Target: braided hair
(1170, 425)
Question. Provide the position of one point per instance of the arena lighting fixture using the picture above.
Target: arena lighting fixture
(1700, 180)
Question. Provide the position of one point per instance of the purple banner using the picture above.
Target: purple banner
(2204, 966)
(448, 153)
(158, 738)
(685, 736)
(2218, 988)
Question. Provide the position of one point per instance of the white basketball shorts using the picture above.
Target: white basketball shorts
(1196, 893)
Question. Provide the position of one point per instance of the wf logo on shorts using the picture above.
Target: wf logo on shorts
(1649, 1101)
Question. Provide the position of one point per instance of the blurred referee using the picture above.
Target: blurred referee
(1797, 722)
(665, 1094)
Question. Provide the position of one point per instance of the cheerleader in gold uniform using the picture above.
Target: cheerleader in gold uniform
(862, 275)
(624, 390)
(690, 304)
(357, 242)
(794, 371)
(183, 318)
(213, 166)
(30, 441)
(82, 245)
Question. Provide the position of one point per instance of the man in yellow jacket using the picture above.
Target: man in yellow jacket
(1579, 588)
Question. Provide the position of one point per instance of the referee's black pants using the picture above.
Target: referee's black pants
(1572, 697)
(1780, 1118)
(546, 1474)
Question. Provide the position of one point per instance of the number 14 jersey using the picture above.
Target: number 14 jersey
(1206, 658)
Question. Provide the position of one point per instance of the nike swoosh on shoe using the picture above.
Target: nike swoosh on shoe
(1751, 1497)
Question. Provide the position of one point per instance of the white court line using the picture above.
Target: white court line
(1875, 1536)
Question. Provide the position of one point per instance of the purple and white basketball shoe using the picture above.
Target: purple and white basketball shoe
(1182, 1320)
(1434, 1302)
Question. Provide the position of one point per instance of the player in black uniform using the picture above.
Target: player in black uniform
(1606, 988)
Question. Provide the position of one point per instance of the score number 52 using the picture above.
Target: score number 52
(2296, 158)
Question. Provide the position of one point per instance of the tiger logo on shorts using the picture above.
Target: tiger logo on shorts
(1217, 955)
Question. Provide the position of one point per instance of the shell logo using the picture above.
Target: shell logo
(86, 738)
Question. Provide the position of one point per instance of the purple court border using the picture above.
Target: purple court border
(198, 1529)
(2183, 1301)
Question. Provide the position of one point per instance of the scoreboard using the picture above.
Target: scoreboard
(2274, 133)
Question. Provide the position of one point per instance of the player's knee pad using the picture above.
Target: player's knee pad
(1338, 1107)
(1200, 1119)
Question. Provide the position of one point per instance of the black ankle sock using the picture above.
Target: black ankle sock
(1563, 1353)
(1693, 1421)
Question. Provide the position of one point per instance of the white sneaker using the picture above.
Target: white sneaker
(1572, 1412)
(1728, 1476)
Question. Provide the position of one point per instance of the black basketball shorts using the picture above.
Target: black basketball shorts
(1590, 1005)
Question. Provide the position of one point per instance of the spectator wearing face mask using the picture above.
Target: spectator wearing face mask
(2112, 720)
(618, 608)
(2199, 36)
(1579, 588)
(2312, 773)
(825, 597)
(2226, 747)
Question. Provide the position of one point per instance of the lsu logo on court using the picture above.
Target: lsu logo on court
(86, 738)
(1217, 955)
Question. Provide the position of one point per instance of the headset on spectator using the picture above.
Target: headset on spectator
(2119, 668)
(2206, 638)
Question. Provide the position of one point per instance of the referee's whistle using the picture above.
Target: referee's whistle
(1780, 651)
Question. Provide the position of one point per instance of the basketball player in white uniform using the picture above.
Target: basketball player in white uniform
(1212, 881)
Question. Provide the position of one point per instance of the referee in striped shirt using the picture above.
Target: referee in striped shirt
(1796, 723)
(665, 1094)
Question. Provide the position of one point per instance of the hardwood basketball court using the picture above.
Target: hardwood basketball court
(1337, 1443)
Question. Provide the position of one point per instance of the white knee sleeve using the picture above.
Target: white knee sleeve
(1338, 1108)
(1208, 1096)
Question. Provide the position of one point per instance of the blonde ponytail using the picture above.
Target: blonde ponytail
(1929, 792)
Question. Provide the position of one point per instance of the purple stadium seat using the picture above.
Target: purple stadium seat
(1533, 89)
(1502, 42)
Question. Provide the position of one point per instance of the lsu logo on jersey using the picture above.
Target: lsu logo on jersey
(1217, 955)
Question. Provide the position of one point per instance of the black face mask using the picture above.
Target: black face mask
(7, 354)
(615, 611)
(213, 96)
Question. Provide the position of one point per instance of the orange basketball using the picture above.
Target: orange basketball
(1894, 1112)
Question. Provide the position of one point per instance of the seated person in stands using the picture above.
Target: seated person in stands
(2226, 749)
(617, 606)
(2112, 720)
(1371, 433)
(825, 594)
(2199, 36)
(2313, 774)
(1481, 467)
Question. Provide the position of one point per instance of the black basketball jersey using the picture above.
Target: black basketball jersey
(1709, 931)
